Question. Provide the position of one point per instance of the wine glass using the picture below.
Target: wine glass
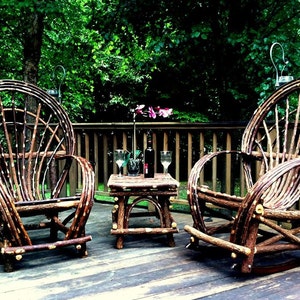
(119, 157)
(165, 159)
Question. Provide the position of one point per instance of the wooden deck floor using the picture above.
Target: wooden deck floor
(145, 269)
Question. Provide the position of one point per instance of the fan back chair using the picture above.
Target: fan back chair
(37, 146)
(266, 219)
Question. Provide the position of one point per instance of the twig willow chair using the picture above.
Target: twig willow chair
(266, 218)
(37, 147)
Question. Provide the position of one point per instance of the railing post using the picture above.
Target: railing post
(115, 146)
(190, 152)
(214, 163)
(87, 146)
(201, 154)
(79, 177)
(96, 163)
(154, 138)
(165, 142)
(105, 161)
(124, 139)
(228, 164)
(177, 156)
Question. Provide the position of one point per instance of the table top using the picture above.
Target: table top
(132, 182)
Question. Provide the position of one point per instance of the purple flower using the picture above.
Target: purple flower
(153, 111)
(165, 112)
(139, 109)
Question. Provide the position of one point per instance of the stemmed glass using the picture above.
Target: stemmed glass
(165, 159)
(119, 157)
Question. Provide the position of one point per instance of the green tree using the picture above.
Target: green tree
(23, 27)
(200, 58)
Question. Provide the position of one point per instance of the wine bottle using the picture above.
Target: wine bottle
(149, 158)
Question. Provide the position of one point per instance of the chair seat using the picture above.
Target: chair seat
(38, 207)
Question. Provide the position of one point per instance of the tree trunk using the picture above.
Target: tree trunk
(33, 34)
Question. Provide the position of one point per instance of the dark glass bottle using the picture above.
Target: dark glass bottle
(149, 158)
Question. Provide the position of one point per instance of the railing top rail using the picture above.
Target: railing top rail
(162, 125)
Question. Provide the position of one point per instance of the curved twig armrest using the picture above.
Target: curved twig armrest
(86, 199)
(276, 191)
(198, 194)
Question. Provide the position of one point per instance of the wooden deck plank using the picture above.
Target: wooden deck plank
(145, 269)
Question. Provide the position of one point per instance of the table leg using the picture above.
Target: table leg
(164, 202)
(120, 222)
(120, 241)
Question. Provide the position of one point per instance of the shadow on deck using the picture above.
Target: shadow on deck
(145, 269)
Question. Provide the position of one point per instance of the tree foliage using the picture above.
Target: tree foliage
(209, 60)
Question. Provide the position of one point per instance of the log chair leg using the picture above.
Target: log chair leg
(247, 262)
(7, 260)
(82, 250)
(53, 228)
(193, 244)
(8, 263)
(170, 240)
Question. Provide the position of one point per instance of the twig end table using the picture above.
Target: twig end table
(158, 191)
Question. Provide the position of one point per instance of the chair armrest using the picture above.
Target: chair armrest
(277, 190)
(200, 164)
(196, 191)
(86, 196)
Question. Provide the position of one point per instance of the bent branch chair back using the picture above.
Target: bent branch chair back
(266, 219)
(37, 149)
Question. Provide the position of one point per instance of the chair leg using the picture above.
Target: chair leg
(247, 262)
(82, 250)
(53, 228)
(193, 244)
(8, 262)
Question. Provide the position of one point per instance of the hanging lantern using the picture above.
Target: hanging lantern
(280, 79)
(58, 79)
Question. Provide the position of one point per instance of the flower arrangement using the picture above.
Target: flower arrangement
(151, 112)
(132, 158)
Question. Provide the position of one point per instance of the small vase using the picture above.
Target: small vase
(133, 167)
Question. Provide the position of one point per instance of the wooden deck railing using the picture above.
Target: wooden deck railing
(189, 142)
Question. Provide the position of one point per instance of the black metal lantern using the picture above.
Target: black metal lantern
(57, 78)
(282, 79)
